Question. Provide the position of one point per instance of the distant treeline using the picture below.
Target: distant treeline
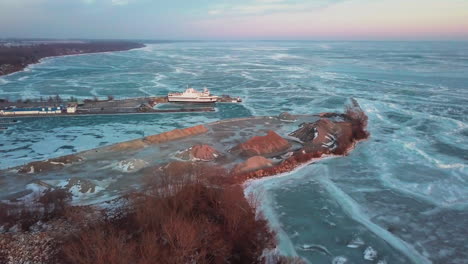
(16, 58)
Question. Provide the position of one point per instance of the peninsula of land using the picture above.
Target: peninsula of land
(17, 55)
(176, 196)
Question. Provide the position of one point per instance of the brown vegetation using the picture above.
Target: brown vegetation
(176, 219)
(181, 222)
(51, 204)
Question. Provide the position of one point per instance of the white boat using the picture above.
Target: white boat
(193, 96)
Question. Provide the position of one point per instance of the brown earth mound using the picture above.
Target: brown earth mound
(49, 165)
(200, 153)
(129, 145)
(270, 144)
(176, 134)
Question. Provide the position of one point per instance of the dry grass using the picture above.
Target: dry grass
(177, 221)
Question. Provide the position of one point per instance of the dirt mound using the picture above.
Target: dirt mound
(49, 165)
(176, 134)
(270, 144)
(200, 153)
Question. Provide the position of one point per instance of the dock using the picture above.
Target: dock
(137, 105)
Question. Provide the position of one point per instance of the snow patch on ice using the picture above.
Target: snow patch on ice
(370, 254)
(339, 260)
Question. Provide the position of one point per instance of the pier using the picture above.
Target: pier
(138, 105)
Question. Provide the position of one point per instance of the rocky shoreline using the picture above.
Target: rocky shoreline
(205, 159)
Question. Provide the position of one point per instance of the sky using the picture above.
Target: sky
(236, 19)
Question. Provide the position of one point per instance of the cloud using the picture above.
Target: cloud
(363, 19)
(261, 7)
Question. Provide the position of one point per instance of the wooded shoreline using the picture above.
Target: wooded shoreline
(14, 58)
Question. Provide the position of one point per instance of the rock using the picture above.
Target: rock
(314, 131)
(175, 134)
(285, 116)
(270, 144)
(28, 247)
(131, 165)
(49, 165)
(252, 164)
(199, 153)
(319, 135)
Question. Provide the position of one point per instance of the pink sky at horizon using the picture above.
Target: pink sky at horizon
(237, 19)
(366, 19)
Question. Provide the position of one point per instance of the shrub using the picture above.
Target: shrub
(177, 223)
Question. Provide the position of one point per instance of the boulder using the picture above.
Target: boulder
(314, 131)
(199, 153)
(270, 144)
(326, 136)
(317, 135)
(252, 164)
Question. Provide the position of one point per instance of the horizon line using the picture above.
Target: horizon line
(231, 40)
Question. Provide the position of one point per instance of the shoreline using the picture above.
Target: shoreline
(22, 68)
(354, 126)
(175, 111)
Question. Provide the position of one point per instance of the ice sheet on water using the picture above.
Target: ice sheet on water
(414, 94)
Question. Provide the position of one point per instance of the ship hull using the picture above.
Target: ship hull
(192, 99)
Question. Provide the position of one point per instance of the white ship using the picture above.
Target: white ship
(192, 96)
